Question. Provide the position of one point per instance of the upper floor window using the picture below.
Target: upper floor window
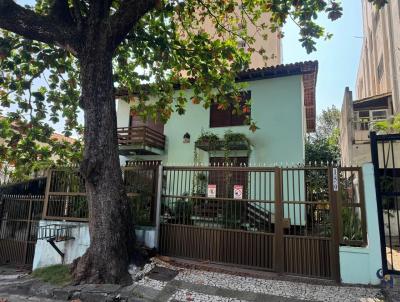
(364, 118)
(377, 115)
(220, 117)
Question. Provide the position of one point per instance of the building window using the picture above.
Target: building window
(380, 69)
(378, 115)
(363, 119)
(228, 117)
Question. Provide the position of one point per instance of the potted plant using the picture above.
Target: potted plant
(207, 141)
(236, 141)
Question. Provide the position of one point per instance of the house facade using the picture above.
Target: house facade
(282, 104)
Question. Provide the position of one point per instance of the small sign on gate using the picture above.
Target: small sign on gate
(212, 191)
(237, 191)
(335, 179)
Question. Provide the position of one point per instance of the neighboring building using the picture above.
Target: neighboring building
(379, 68)
(283, 105)
(357, 119)
(272, 45)
(378, 81)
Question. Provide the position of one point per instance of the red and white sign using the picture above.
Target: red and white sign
(237, 191)
(212, 191)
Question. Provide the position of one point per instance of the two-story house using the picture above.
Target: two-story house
(282, 104)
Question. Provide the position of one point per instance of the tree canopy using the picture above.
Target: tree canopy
(39, 69)
(323, 145)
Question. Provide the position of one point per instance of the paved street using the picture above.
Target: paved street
(168, 283)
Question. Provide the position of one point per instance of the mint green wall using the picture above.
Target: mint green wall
(359, 265)
(277, 107)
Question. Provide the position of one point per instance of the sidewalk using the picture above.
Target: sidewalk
(169, 283)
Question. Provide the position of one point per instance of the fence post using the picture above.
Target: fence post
(28, 229)
(46, 194)
(362, 206)
(375, 162)
(333, 176)
(158, 206)
(279, 244)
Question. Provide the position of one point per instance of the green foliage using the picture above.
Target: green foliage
(207, 137)
(323, 146)
(388, 126)
(55, 274)
(231, 138)
(321, 150)
(167, 41)
(183, 210)
(200, 184)
(351, 225)
(328, 123)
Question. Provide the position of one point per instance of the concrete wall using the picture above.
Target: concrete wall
(359, 265)
(277, 107)
(45, 255)
(346, 128)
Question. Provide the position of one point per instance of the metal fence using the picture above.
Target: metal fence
(65, 197)
(385, 151)
(289, 220)
(19, 219)
(278, 219)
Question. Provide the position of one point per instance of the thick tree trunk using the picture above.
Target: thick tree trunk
(110, 225)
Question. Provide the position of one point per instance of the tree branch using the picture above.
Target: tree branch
(46, 29)
(128, 14)
(77, 14)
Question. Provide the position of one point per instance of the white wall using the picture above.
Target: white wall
(45, 255)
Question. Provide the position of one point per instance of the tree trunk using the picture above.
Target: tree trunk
(111, 228)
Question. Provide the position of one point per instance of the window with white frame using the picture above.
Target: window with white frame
(364, 118)
(378, 115)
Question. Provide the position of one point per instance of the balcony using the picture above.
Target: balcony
(140, 141)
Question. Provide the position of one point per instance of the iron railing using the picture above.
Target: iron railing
(65, 197)
(287, 218)
(385, 152)
(19, 220)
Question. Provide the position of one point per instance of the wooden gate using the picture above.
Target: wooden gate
(385, 151)
(285, 220)
(19, 219)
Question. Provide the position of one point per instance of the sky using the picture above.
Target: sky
(338, 57)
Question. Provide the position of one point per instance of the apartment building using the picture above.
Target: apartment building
(379, 68)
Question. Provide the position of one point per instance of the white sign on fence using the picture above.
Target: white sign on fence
(212, 191)
(335, 179)
(237, 191)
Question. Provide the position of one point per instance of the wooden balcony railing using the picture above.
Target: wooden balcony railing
(144, 136)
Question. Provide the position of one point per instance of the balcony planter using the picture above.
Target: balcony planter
(230, 142)
(207, 141)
